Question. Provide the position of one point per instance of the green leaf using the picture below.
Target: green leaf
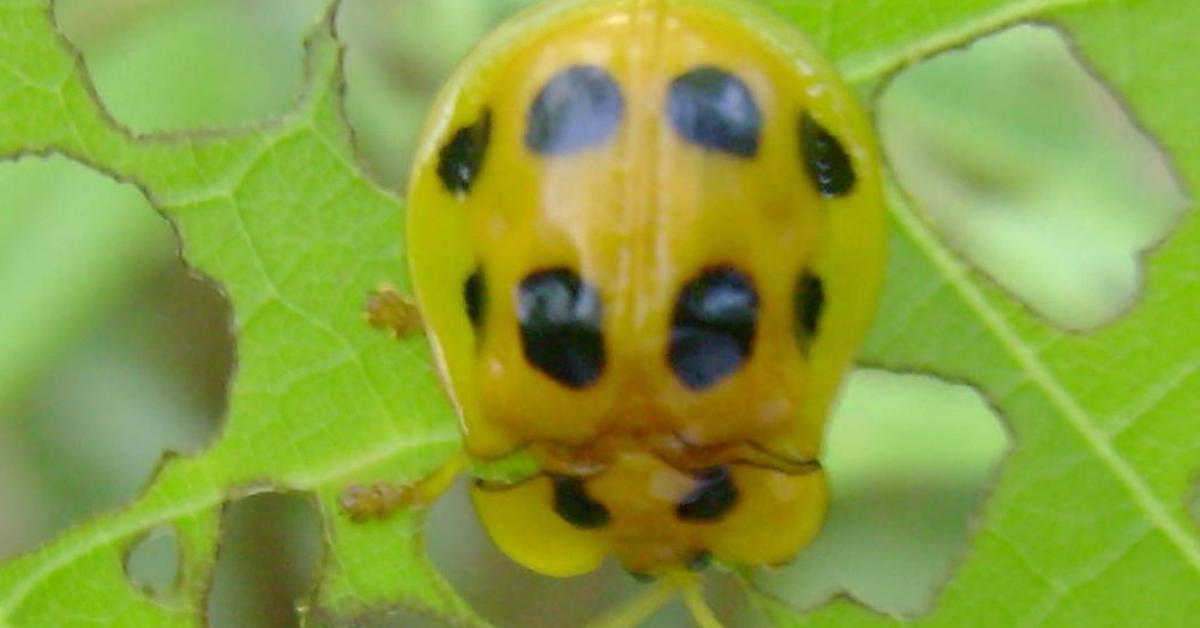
(280, 216)
(1090, 510)
(1094, 499)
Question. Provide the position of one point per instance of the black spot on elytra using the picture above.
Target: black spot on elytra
(713, 327)
(578, 108)
(825, 159)
(560, 319)
(809, 304)
(475, 298)
(713, 497)
(575, 506)
(714, 109)
(461, 159)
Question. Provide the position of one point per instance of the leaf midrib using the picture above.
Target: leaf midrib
(66, 555)
(958, 276)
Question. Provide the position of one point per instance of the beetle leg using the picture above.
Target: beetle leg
(389, 310)
(381, 499)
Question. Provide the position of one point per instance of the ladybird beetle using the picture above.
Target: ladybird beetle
(647, 238)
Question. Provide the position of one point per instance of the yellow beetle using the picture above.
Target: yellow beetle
(647, 238)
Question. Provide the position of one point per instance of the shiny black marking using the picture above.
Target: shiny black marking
(713, 328)
(714, 496)
(825, 160)
(578, 108)
(475, 297)
(573, 504)
(560, 326)
(714, 109)
(461, 159)
(809, 304)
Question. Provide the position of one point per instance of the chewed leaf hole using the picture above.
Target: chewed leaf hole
(909, 459)
(112, 352)
(267, 561)
(152, 564)
(392, 73)
(191, 63)
(1030, 168)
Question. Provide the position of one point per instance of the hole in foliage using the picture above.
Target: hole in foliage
(267, 561)
(192, 63)
(111, 351)
(1032, 170)
(398, 55)
(152, 564)
(909, 459)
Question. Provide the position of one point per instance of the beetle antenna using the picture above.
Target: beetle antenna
(693, 595)
(639, 608)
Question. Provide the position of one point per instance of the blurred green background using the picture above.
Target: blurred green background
(111, 352)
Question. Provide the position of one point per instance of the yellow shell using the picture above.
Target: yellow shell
(647, 238)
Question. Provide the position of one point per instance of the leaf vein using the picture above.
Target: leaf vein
(61, 556)
(1044, 379)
